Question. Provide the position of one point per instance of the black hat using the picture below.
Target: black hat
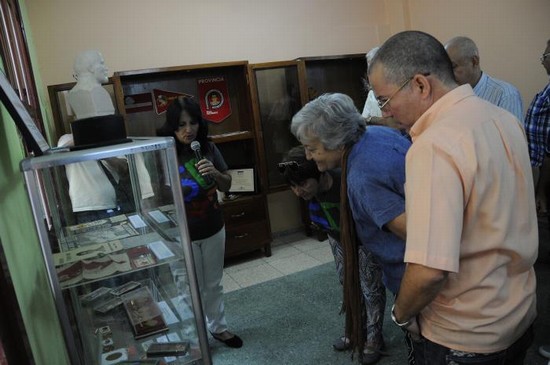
(99, 131)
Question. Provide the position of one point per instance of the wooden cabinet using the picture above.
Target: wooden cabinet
(262, 97)
(336, 74)
(333, 74)
(139, 96)
(247, 225)
(280, 89)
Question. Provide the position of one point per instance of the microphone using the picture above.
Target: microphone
(196, 147)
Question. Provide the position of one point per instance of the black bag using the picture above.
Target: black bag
(123, 190)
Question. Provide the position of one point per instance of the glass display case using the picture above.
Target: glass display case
(122, 278)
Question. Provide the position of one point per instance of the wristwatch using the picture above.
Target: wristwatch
(402, 325)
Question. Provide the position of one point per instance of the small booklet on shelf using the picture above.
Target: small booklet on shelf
(144, 313)
(94, 295)
(167, 349)
(125, 288)
(141, 256)
(158, 216)
(170, 212)
(107, 304)
(160, 250)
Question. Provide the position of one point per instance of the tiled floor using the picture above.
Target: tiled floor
(290, 253)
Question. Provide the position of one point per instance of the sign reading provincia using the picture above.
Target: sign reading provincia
(214, 98)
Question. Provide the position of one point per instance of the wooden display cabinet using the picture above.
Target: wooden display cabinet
(278, 91)
(263, 98)
(333, 74)
(336, 74)
(247, 220)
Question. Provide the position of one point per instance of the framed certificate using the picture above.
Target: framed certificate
(242, 180)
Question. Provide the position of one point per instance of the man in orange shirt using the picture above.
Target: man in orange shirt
(469, 287)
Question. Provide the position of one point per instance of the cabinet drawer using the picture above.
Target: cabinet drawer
(246, 237)
(244, 212)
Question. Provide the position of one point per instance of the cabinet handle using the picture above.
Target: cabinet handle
(241, 214)
(242, 235)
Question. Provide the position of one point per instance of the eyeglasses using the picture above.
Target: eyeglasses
(293, 165)
(543, 57)
(382, 103)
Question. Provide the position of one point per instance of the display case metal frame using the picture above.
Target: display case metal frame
(61, 157)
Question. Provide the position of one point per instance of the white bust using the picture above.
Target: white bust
(88, 98)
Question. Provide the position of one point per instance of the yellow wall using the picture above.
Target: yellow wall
(511, 35)
(23, 253)
(135, 34)
(22, 250)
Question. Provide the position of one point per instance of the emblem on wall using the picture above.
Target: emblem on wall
(214, 98)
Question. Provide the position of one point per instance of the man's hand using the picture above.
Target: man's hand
(414, 329)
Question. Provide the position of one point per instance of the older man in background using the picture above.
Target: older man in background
(467, 70)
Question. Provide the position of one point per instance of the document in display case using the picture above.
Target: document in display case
(123, 281)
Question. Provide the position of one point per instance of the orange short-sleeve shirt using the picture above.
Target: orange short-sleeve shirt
(470, 207)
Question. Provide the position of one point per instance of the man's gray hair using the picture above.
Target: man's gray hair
(413, 52)
(465, 46)
(370, 55)
(332, 118)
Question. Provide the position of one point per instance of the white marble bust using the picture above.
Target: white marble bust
(88, 98)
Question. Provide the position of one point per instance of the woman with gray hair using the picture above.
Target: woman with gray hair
(372, 159)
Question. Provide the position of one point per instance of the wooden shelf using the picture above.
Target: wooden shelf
(263, 98)
(230, 137)
(172, 69)
(246, 219)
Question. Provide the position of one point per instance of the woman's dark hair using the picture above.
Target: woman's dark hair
(173, 115)
(296, 168)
